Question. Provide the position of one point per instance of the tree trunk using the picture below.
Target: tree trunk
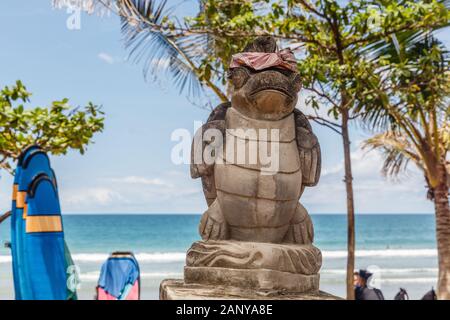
(443, 234)
(5, 216)
(350, 208)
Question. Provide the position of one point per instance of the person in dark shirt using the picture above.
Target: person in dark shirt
(362, 291)
(430, 295)
(402, 295)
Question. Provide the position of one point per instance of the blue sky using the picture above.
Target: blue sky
(129, 169)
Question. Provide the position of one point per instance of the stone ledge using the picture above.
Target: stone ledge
(268, 280)
(172, 289)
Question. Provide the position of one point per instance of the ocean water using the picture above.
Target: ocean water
(401, 249)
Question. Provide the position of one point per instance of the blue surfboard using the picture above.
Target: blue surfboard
(44, 253)
(35, 162)
(40, 256)
(14, 220)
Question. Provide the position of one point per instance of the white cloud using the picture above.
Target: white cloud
(106, 57)
(142, 180)
(170, 192)
(331, 170)
(99, 196)
(373, 193)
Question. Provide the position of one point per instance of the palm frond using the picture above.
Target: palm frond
(401, 41)
(158, 50)
(391, 85)
(397, 152)
(395, 45)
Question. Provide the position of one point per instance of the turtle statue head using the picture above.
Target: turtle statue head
(264, 81)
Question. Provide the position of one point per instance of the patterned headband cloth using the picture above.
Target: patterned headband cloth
(283, 59)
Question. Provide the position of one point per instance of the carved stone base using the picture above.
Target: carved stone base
(178, 290)
(257, 279)
(254, 265)
(290, 258)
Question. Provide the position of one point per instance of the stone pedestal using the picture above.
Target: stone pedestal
(263, 279)
(171, 289)
(248, 270)
(254, 265)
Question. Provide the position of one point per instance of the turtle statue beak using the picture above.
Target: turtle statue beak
(270, 100)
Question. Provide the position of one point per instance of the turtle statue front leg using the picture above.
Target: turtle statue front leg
(291, 266)
(301, 229)
(213, 225)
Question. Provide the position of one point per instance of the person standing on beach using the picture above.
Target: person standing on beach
(362, 291)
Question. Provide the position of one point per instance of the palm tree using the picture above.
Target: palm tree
(412, 106)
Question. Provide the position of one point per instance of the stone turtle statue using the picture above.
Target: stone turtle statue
(244, 204)
(254, 219)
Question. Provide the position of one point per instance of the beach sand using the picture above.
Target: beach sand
(416, 287)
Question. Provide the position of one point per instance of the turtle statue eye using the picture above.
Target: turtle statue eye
(239, 77)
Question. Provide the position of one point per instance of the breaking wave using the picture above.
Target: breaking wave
(382, 253)
(164, 257)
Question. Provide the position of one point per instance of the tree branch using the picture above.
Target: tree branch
(323, 123)
(310, 7)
